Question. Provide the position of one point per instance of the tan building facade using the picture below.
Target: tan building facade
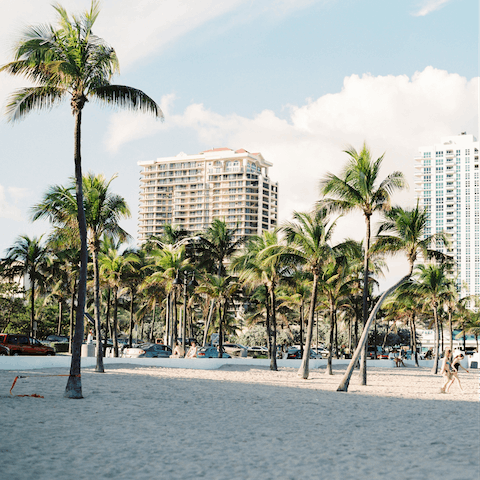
(192, 190)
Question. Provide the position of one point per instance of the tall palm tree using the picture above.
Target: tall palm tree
(216, 245)
(359, 188)
(71, 61)
(261, 264)
(221, 289)
(308, 238)
(26, 258)
(113, 267)
(403, 305)
(64, 242)
(168, 262)
(132, 280)
(103, 212)
(432, 284)
(401, 232)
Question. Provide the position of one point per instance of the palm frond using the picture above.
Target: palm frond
(127, 97)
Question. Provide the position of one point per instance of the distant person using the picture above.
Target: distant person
(429, 354)
(178, 351)
(456, 365)
(446, 370)
(192, 351)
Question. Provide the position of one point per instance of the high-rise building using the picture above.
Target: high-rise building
(191, 190)
(448, 185)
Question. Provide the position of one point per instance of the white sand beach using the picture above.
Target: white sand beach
(239, 422)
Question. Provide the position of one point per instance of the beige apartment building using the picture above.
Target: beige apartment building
(192, 190)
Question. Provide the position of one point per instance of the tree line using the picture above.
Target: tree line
(295, 268)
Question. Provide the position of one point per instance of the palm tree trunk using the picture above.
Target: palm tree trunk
(174, 318)
(301, 326)
(60, 315)
(167, 322)
(108, 330)
(221, 315)
(363, 359)
(330, 346)
(72, 314)
(98, 328)
(450, 328)
(130, 331)
(74, 383)
(33, 333)
(343, 387)
(414, 340)
(335, 325)
(273, 360)
(440, 326)
(115, 322)
(267, 323)
(209, 320)
(436, 347)
(303, 370)
(153, 320)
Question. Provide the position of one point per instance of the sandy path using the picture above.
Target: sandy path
(239, 423)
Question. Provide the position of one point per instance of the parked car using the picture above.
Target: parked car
(257, 351)
(148, 350)
(24, 345)
(235, 349)
(210, 352)
(57, 339)
(321, 352)
(296, 353)
(382, 355)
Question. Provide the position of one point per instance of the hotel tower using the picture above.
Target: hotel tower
(192, 190)
(448, 185)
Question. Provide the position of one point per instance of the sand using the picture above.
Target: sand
(239, 422)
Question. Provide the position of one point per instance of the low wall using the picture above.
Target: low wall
(63, 361)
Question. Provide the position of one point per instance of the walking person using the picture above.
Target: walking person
(456, 365)
(446, 370)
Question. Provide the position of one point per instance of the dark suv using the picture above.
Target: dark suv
(23, 345)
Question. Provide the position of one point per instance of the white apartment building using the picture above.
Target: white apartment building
(192, 190)
(447, 183)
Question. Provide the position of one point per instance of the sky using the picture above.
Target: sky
(297, 80)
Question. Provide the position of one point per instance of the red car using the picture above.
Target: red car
(24, 345)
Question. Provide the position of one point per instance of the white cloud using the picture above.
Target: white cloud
(140, 29)
(9, 198)
(393, 114)
(429, 6)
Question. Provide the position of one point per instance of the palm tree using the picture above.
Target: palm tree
(65, 245)
(335, 285)
(132, 280)
(356, 189)
(168, 262)
(221, 289)
(295, 295)
(103, 212)
(216, 245)
(261, 264)
(308, 236)
(71, 61)
(113, 266)
(26, 258)
(402, 232)
(403, 305)
(432, 284)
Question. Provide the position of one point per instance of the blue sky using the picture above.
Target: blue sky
(298, 81)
